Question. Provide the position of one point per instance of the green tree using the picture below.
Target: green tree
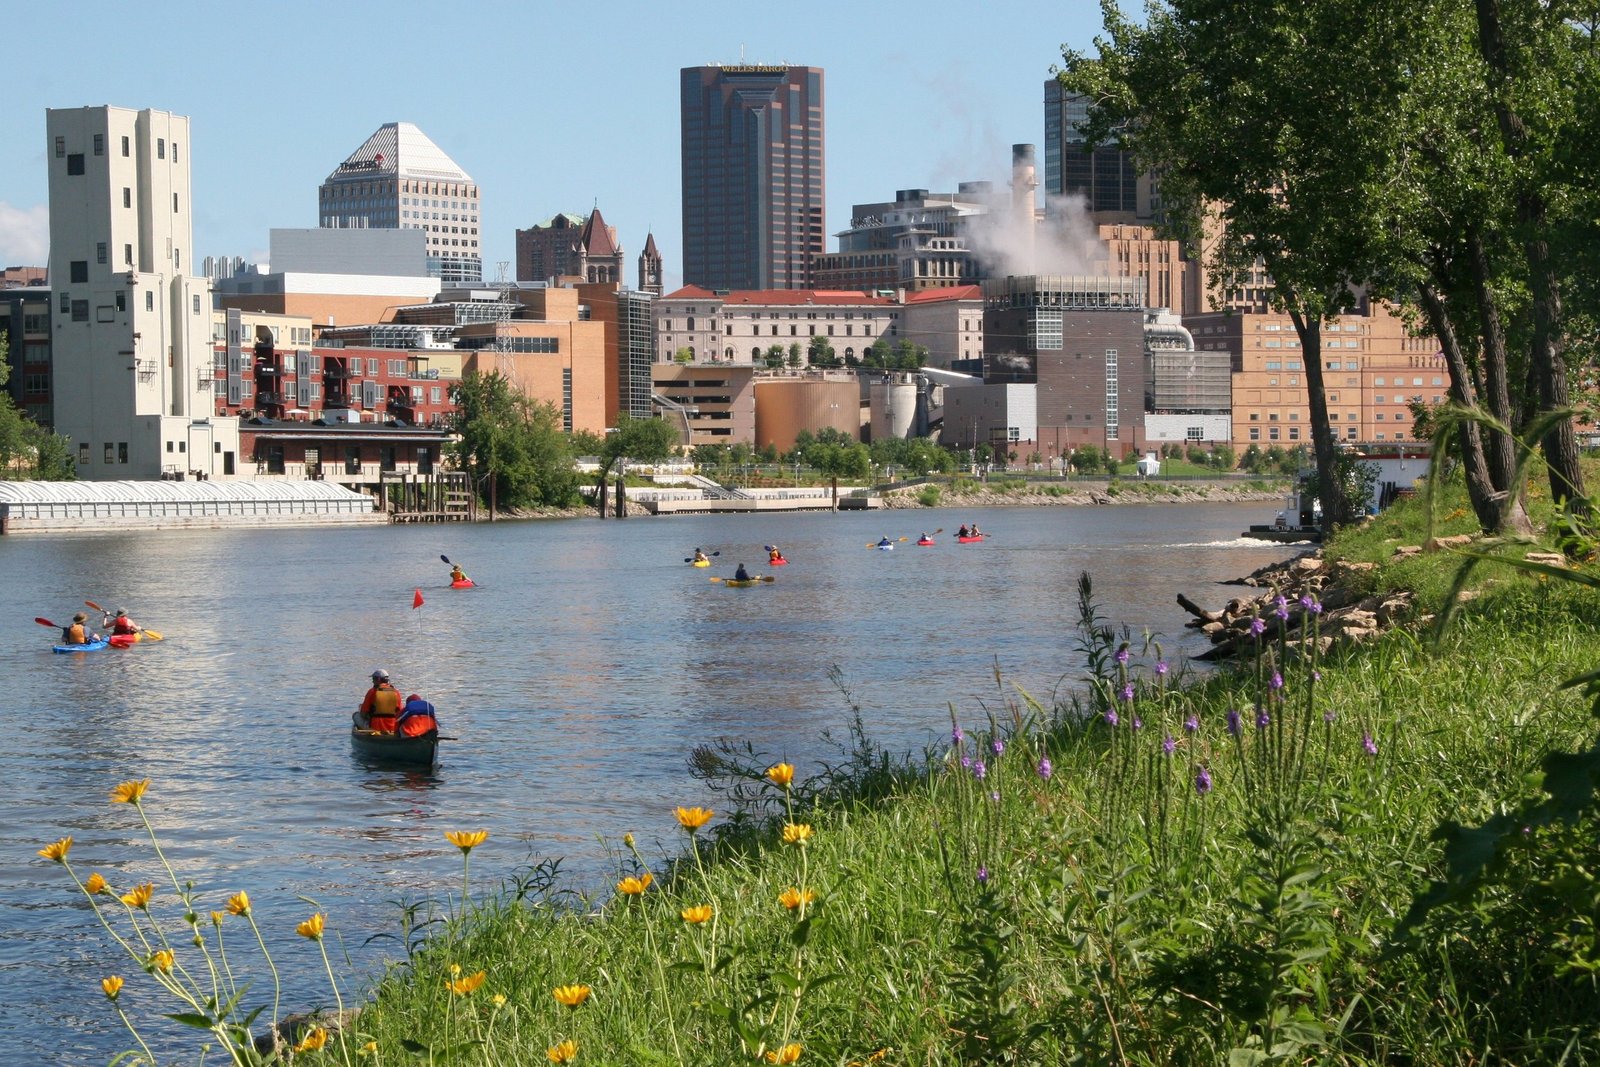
(837, 461)
(683, 355)
(513, 447)
(1085, 458)
(819, 352)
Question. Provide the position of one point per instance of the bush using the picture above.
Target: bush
(928, 495)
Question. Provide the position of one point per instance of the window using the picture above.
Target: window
(80, 271)
(124, 146)
(177, 259)
(100, 252)
(149, 299)
(110, 453)
(1377, 381)
(127, 254)
(174, 203)
(1255, 433)
(61, 147)
(83, 452)
(66, 303)
(197, 303)
(1294, 433)
(80, 311)
(161, 148)
(1272, 433)
(99, 144)
(75, 163)
(127, 196)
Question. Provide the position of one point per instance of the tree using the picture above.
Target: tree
(683, 355)
(773, 357)
(837, 461)
(819, 352)
(513, 448)
(1084, 459)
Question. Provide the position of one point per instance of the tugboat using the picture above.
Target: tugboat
(1300, 519)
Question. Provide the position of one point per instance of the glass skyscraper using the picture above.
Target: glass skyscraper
(753, 176)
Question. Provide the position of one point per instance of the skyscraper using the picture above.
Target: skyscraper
(132, 377)
(753, 175)
(398, 179)
(1106, 177)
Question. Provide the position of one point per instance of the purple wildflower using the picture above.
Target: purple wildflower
(979, 771)
(956, 735)
(1202, 781)
(1316, 676)
(1122, 655)
(1191, 725)
(1258, 627)
(1138, 723)
(983, 875)
(1127, 692)
(1161, 668)
(1168, 745)
(1111, 716)
(999, 746)
(1329, 716)
(1263, 720)
(1316, 607)
(966, 763)
(1368, 745)
(1306, 601)
(1277, 680)
(1234, 726)
(1045, 768)
(1282, 608)
(995, 796)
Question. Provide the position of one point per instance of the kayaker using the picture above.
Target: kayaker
(456, 573)
(974, 531)
(417, 717)
(884, 542)
(700, 557)
(120, 623)
(962, 532)
(774, 554)
(381, 705)
(741, 575)
(78, 633)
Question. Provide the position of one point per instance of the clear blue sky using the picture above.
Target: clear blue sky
(556, 107)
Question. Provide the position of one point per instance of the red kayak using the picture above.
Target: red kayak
(777, 562)
(464, 583)
(925, 544)
(969, 540)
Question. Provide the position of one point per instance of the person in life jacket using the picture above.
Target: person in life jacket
(962, 532)
(456, 573)
(78, 633)
(774, 554)
(120, 623)
(417, 718)
(380, 708)
(700, 557)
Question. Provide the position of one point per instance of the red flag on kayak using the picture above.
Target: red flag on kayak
(416, 599)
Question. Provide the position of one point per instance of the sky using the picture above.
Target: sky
(549, 107)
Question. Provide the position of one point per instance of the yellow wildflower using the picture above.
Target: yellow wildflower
(691, 819)
(315, 1039)
(632, 887)
(796, 833)
(162, 960)
(455, 970)
(466, 840)
(130, 791)
(781, 774)
(369, 1049)
(499, 1000)
(787, 1054)
(469, 984)
(627, 841)
(565, 1052)
(139, 895)
(239, 903)
(697, 914)
(312, 927)
(95, 885)
(792, 898)
(217, 917)
(571, 995)
(57, 850)
(112, 986)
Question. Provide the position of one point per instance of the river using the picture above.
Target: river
(579, 676)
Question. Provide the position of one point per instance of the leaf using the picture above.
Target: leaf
(189, 1018)
(414, 1046)
(790, 982)
(801, 932)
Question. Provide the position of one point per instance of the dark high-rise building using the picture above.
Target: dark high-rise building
(753, 176)
(1106, 177)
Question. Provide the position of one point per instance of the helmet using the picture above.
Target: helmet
(380, 675)
(121, 612)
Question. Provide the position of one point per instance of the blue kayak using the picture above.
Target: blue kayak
(92, 646)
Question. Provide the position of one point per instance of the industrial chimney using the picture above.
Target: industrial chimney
(1023, 183)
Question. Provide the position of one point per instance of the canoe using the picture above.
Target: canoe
(392, 749)
(969, 540)
(702, 563)
(92, 646)
(463, 583)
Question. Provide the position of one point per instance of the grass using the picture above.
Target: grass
(1246, 868)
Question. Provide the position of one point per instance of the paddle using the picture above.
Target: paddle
(896, 540)
(47, 622)
(154, 635)
(690, 559)
(753, 578)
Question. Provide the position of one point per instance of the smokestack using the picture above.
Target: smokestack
(1023, 183)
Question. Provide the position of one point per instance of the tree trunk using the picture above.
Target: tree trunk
(1547, 362)
(1498, 511)
(1501, 453)
(1336, 510)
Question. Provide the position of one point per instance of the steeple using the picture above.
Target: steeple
(650, 267)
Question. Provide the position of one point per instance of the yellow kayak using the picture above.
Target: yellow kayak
(702, 563)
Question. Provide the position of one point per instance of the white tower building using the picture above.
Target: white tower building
(132, 357)
(398, 179)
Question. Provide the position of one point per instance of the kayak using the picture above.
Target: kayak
(92, 646)
(884, 548)
(392, 749)
(779, 562)
(969, 540)
(463, 583)
(741, 583)
(925, 544)
(702, 563)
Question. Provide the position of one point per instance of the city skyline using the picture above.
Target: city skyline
(926, 102)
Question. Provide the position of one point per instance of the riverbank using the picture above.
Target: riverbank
(1018, 493)
(1152, 873)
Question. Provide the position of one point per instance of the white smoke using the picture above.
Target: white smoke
(24, 235)
(1063, 241)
